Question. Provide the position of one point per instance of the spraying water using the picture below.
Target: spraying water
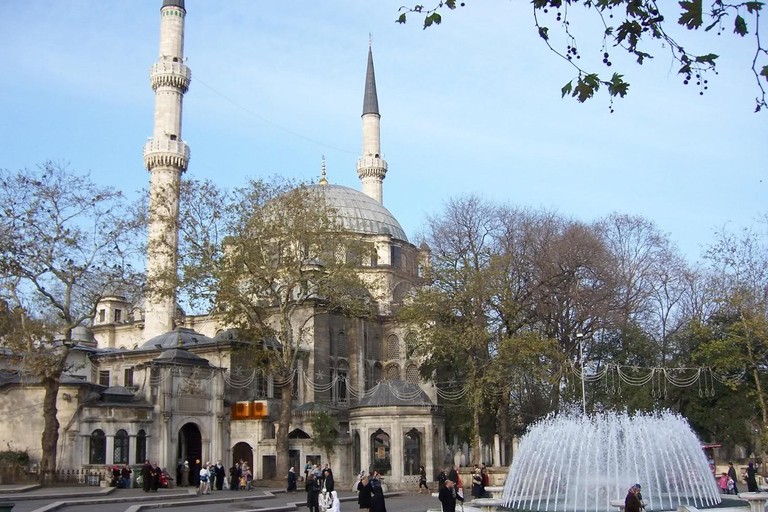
(573, 463)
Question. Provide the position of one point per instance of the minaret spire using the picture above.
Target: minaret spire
(371, 168)
(323, 179)
(166, 157)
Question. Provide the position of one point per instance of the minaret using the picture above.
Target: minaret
(371, 168)
(165, 157)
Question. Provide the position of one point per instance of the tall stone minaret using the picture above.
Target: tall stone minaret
(165, 157)
(371, 168)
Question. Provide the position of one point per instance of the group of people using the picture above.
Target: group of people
(214, 477)
(121, 478)
(450, 488)
(727, 481)
(480, 480)
(151, 477)
(320, 487)
(370, 493)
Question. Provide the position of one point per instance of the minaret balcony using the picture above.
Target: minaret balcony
(166, 153)
(371, 166)
(170, 74)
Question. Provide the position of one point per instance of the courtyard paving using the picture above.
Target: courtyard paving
(135, 500)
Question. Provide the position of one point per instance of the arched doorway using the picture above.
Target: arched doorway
(380, 458)
(243, 451)
(412, 452)
(190, 448)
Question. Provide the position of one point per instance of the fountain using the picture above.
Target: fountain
(574, 463)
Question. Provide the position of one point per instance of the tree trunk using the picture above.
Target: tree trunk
(281, 441)
(504, 436)
(50, 437)
(476, 425)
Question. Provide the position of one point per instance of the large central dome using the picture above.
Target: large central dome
(360, 213)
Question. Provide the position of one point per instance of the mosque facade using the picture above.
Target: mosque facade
(150, 383)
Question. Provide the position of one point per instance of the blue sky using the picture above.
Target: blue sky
(471, 106)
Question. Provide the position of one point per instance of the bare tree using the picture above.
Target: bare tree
(65, 242)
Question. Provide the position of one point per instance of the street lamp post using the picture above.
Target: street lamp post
(580, 337)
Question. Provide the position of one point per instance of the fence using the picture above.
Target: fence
(65, 477)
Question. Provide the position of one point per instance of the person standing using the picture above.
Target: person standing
(329, 486)
(751, 479)
(364, 491)
(291, 480)
(732, 474)
(307, 469)
(220, 476)
(125, 474)
(146, 476)
(155, 477)
(184, 481)
(477, 483)
(453, 475)
(631, 502)
(313, 491)
(202, 488)
(447, 496)
(423, 479)
(377, 498)
(234, 477)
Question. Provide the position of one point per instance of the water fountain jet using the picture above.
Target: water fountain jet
(574, 463)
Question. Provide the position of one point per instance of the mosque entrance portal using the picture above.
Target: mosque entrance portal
(190, 448)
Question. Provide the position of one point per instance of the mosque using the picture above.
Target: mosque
(153, 383)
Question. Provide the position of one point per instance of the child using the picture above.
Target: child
(723, 483)
(731, 486)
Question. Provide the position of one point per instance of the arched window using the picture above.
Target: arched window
(331, 344)
(377, 371)
(98, 448)
(375, 348)
(393, 372)
(380, 452)
(120, 453)
(410, 343)
(341, 345)
(341, 385)
(141, 447)
(412, 374)
(393, 347)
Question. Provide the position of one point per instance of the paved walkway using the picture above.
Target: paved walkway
(135, 500)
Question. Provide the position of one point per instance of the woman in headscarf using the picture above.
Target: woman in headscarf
(335, 503)
(291, 480)
(377, 500)
(155, 477)
(364, 490)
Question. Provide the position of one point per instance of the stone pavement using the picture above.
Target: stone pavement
(135, 500)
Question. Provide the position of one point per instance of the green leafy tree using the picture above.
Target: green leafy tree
(638, 28)
(267, 259)
(325, 432)
(65, 243)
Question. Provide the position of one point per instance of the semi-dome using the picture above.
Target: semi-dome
(360, 213)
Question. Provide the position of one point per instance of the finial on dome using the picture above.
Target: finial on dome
(323, 180)
(370, 40)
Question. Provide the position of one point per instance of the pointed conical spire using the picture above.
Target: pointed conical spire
(370, 99)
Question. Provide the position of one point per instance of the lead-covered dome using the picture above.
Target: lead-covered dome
(360, 213)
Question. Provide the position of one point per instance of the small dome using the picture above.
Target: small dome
(180, 356)
(189, 338)
(82, 333)
(394, 393)
(360, 213)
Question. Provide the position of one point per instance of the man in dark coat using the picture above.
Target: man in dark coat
(447, 496)
(734, 477)
(155, 477)
(146, 476)
(453, 475)
(220, 475)
(328, 479)
(631, 502)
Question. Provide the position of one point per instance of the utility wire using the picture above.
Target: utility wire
(265, 120)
